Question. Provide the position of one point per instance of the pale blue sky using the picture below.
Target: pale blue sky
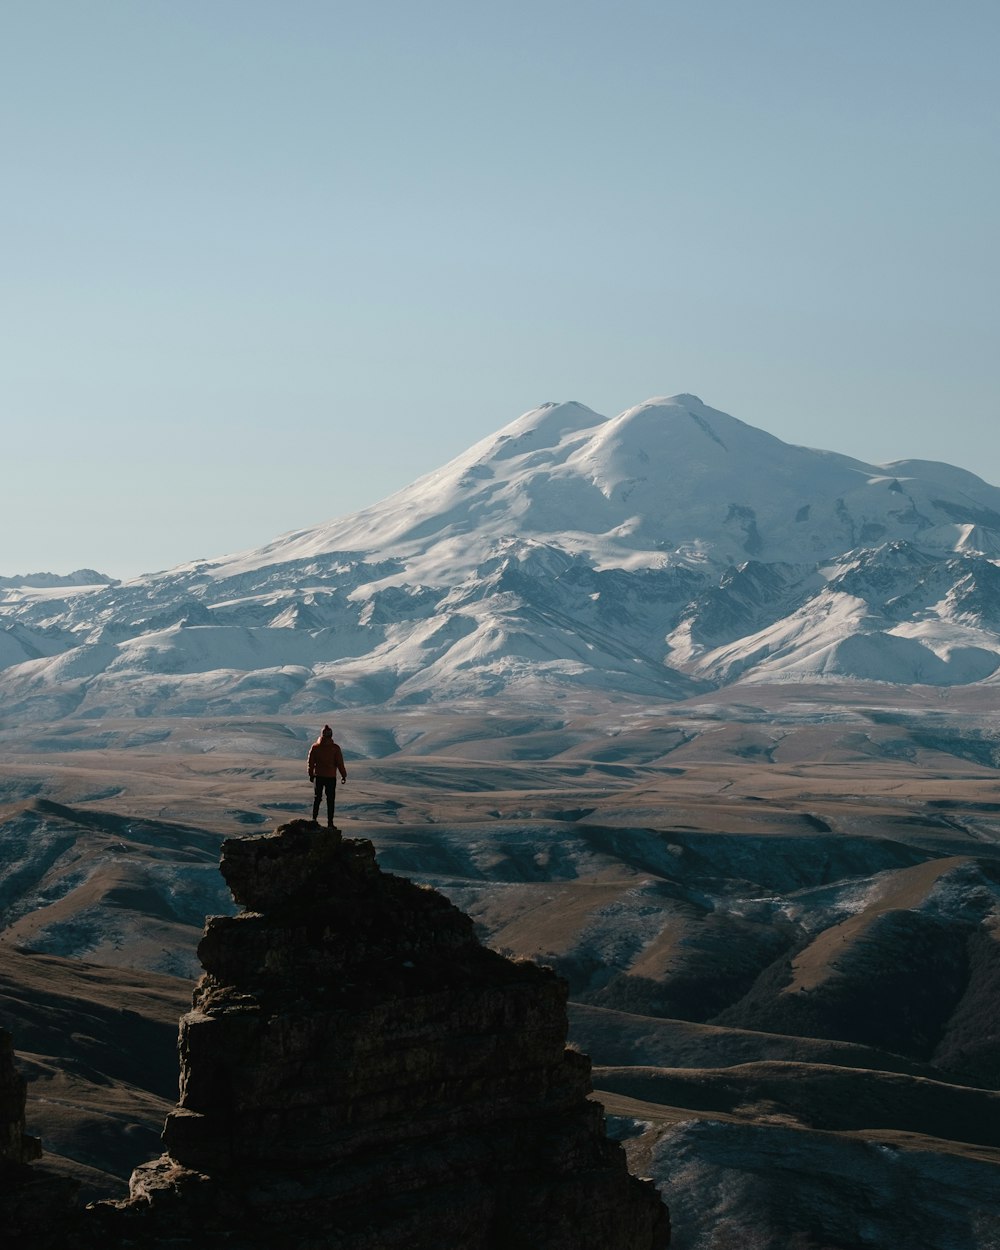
(264, 263)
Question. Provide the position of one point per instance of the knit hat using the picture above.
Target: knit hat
(327, 732)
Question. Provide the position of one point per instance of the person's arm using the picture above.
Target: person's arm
(340, 764)
(312, 763)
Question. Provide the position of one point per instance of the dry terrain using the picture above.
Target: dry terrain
(778, 910)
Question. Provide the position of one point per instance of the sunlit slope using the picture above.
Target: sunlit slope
(657, 553)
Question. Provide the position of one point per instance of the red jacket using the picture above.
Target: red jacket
(326, 759)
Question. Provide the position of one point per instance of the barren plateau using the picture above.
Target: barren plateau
(777, 908)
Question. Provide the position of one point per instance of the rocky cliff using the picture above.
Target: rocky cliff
(359, 1073)
(16, 1147)
(35, 1207)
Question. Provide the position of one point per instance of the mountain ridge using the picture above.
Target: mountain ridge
(593, 463)
(663, 551)
(79, 577)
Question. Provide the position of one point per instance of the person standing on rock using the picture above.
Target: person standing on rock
(326, 760)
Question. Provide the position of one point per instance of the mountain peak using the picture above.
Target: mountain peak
(545, 426)
(79, 577)
(683, 400)
(638, 517)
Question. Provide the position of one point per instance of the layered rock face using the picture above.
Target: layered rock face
(15, 1146)
(35, 1207)
(358, 1072)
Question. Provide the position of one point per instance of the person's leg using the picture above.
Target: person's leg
(331, 798)
(317, 795)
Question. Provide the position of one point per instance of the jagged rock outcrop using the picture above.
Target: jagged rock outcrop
(16, 1147)
(359, 1073)
(35, 1206)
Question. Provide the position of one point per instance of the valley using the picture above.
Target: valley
(778, 913)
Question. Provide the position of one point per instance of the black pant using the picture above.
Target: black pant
(329, 784)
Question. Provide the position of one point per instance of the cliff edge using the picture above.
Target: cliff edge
(359, 1073)
(36, 1207)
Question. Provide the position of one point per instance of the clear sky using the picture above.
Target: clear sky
(266, 262)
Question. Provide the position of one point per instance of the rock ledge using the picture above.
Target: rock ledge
(359, 1073)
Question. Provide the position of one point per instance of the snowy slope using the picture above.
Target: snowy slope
(653, 552)
(80, 578)
(669, 480)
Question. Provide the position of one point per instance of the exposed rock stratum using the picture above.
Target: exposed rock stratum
(35, 1205)
(359, 1073)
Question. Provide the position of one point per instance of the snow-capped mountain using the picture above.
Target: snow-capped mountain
(654, 552)
(670, 481)
(80, 577)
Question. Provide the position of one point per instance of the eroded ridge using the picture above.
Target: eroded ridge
(359, 1071)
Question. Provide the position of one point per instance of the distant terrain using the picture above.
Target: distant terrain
(703, 720)
(779, 920)
(48, 581)
(660, 553)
